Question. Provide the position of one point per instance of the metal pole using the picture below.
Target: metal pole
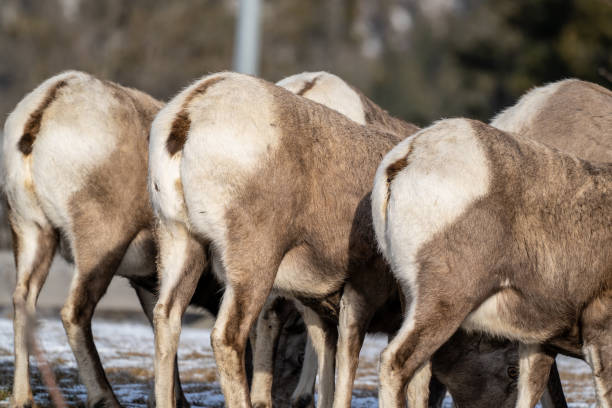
(246, 46)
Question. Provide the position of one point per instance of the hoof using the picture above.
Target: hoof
(304, 401)
(29, 403)
(180, 402)
(183, 403)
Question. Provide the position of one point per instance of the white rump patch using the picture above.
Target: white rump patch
(233, 129)
(328, 90)
(520, 116)
(164, 169)
(447, 171)
(74, 138)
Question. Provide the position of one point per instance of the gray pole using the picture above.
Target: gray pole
(246, 46)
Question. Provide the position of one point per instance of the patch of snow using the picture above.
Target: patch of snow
(127, 351)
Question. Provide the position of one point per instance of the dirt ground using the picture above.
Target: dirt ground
(126, 350)
(125, 343)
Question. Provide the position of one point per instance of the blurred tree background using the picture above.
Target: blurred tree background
(420, 60)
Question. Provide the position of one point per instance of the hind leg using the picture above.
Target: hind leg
(242, 302)
(597, 337)
(431, 320)
(266, 339)
(417, 391)
(324, 338)
(33, 248)
(147, 301)
(407, 354)
(303, 395)
(553, 396)
(356, 311)
(424, 390)
(181, 263)
(97, 257)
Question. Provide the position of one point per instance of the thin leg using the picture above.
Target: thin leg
(414, 344)
(424, 390)
(181, 263)
(303, 395)
(266, 339)
(323, 336)
(33, 250)
(437, 393)
(354, 318)
(597, 337)
(241, 305)
(553, 396)
(417, 392)
(96, 261)
(599, 358)
(534, 368)
(147, 301)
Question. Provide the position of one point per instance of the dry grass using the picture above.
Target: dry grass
(198, 382)
(5, 393)
(131, 372)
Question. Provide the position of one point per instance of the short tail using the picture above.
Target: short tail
(392, 164)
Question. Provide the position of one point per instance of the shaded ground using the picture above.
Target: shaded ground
(119, 296)
(126, 349)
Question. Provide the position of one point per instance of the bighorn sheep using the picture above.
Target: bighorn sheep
(571, 115)
(331, 91)
(217, 101)
(75, 153)
(575, 117)
(462, 355)
(75, 167)
(496, 233)
(65, 165)
(276, 187)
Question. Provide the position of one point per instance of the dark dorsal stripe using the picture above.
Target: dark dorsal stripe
(32, 126)
(181, 124)
(308, 85)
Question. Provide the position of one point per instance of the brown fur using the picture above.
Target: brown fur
(312, 220)
(548, 200)
(116, 193)
(536, 230)
(117, 190)
(376, 116)
(558, 205)
(325, 224)
(564, 117)
(32, 126)
(110, 212)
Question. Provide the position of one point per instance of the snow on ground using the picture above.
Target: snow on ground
(127, 350)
